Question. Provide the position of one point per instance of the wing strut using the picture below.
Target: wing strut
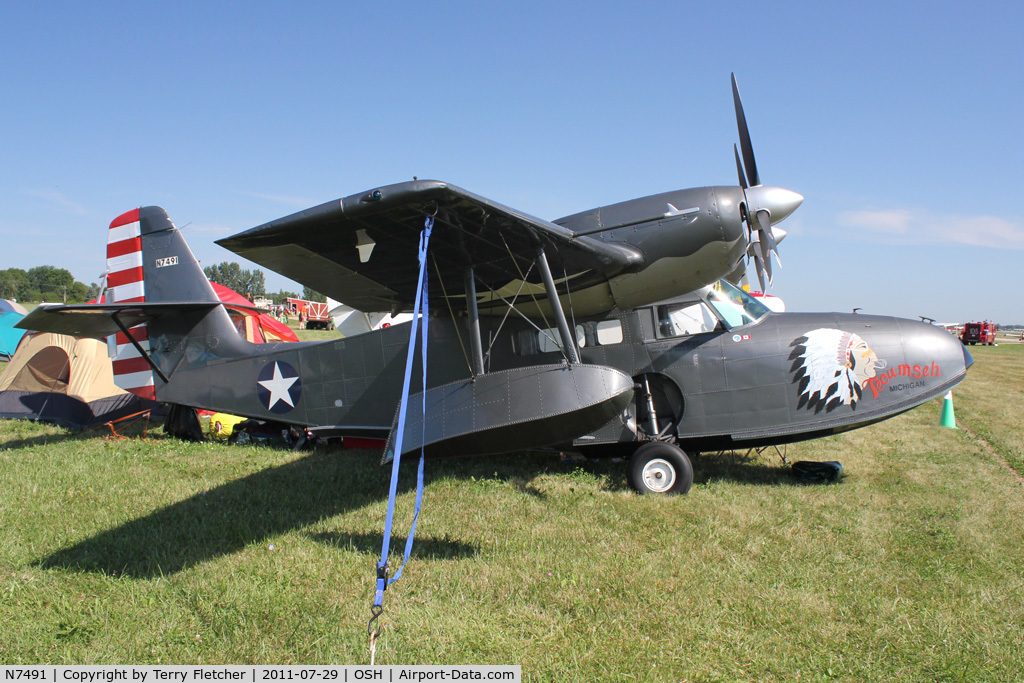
(138, 347)
(568, 339)
(476, 344)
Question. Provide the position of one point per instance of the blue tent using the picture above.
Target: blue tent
(9, 334)
(6, 306)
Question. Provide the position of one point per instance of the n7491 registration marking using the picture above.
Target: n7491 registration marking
(169, 261)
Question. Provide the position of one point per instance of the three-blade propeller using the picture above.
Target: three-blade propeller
(763, 205)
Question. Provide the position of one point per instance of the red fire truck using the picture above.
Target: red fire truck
(314, 314)
(979, 333)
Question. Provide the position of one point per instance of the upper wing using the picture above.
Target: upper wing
(318, 247)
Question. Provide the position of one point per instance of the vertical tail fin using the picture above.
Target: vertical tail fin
(148, 260)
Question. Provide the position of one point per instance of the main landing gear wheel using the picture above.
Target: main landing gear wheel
(659, 467)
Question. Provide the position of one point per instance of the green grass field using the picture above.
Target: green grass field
(158, 551)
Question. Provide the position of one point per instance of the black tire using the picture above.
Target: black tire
(660, 468)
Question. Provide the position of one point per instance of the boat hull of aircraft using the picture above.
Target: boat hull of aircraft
(784, 378)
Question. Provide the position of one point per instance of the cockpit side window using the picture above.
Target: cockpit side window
(734, 305)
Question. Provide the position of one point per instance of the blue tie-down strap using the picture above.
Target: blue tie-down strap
(422, 307)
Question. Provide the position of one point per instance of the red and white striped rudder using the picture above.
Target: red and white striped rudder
(126, 284)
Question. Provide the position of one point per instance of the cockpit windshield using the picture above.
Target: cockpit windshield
(735, 305)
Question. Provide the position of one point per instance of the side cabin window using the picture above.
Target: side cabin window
(550, 340)
(604, 333)
(608, 332)
(678, 320)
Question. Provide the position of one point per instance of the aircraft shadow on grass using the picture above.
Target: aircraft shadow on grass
(425, 547)
(46, 439)
(300, 493)
(741, 469)
(230, 517)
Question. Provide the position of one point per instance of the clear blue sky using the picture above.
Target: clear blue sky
(901, 124)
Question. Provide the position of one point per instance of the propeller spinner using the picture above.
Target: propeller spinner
(763, 205)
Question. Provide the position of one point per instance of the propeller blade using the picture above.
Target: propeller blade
(741, 123)
(765, 222)
(759, 269)
(766, 256)
(760, 203)
(779, 234)
(742, 188)
(739, 167)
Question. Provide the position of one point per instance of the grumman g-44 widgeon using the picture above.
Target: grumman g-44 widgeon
(610, 326)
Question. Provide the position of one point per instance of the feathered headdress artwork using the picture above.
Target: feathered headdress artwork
(829, 367)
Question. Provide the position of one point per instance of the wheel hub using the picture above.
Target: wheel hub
(659, 475)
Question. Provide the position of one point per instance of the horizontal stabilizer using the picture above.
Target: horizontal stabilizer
(101, 320)
(512, 410)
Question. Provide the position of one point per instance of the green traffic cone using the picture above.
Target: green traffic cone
(948, 419)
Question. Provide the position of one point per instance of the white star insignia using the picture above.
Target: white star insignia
(278, 387)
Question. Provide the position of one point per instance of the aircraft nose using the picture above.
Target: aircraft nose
(968, 358)
(779, 201)
(925, 343)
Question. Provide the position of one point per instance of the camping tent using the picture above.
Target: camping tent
(349, 322)
(71, 381)
(257, 326)
(9, 334)
(66, 380)
(10, 306)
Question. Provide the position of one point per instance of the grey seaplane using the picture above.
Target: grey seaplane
(614, 326)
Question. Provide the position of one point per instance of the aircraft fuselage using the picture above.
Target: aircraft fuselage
(784, 377)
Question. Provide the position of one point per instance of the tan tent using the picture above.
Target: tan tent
(65, 380)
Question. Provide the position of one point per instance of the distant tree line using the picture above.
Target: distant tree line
(49, 283)
(248, 283)
(312, 295)
(251, 283)
(45, 283)
(279, 297)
